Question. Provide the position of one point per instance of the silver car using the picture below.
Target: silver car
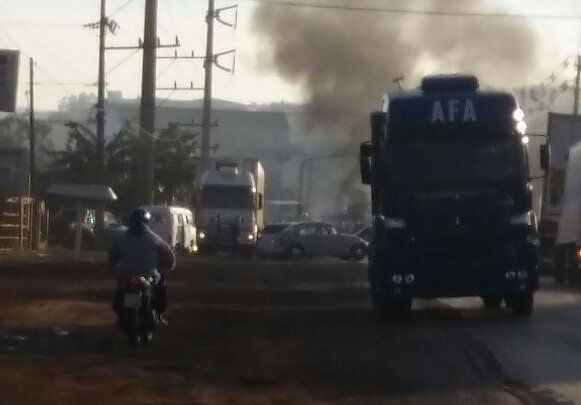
(311, 239)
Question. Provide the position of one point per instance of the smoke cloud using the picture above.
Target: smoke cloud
(345, 60)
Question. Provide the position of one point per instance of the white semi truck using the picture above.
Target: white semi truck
(231, 206)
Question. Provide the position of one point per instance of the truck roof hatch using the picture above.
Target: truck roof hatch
(456, 83)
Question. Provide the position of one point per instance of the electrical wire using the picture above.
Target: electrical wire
(123, 61)
(390, 10)
(120, 8)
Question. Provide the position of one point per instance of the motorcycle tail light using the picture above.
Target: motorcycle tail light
(135, 282)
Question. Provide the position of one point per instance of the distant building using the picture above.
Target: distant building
(242, 131)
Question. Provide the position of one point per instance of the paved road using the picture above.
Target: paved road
(277, 333)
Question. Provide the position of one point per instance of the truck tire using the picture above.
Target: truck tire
(522, 304)
(492, 302)
(391, 308)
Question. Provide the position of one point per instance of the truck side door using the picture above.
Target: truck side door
(181, 230)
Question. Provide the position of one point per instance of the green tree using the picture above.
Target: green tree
(78, 162)
(175, 165)
(175, 162)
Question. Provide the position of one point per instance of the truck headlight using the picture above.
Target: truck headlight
(202, 235)
(250, 237)
(525, 218)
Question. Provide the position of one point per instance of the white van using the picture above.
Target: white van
(175, 225)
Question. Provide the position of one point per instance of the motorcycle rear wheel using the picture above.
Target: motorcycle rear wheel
(131, 322)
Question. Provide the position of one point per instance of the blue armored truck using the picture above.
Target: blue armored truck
(451, 197)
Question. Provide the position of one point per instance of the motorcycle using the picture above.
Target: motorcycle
(138, 318)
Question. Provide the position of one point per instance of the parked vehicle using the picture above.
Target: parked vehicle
(176, 225)
(62, 228)
(138, 318)
(231, 206)
(315, 239)
(366, 234)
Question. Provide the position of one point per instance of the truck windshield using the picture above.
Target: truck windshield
(227, 197)
(449, 162)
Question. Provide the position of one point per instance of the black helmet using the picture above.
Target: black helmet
(139, 217)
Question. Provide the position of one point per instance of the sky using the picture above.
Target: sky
(66, 53)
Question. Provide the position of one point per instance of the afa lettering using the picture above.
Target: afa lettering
(453, 110)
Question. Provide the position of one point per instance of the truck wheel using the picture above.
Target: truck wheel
(391, 308)
(492, 302)
(522, 304)
(400, 308)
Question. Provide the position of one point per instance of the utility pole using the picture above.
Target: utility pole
(147, 110)
(35, 231)
(577, 82)
(32, 134)
(210, 59)
(143, 163)
(207, 108)
(100, 144)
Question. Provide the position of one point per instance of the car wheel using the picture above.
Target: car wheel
(358, 253)
(296, 253)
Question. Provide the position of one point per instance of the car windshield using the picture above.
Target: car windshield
(456, 162)
(158, 218)
(227, 197)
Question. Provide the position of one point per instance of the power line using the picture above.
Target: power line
(390, 10)
(165, 69)
(35, 44)
(38, 23)
(120, 8)
(61, 84)
(26, 54)
(124, 60)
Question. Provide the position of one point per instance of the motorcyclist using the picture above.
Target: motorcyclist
(141, 252)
